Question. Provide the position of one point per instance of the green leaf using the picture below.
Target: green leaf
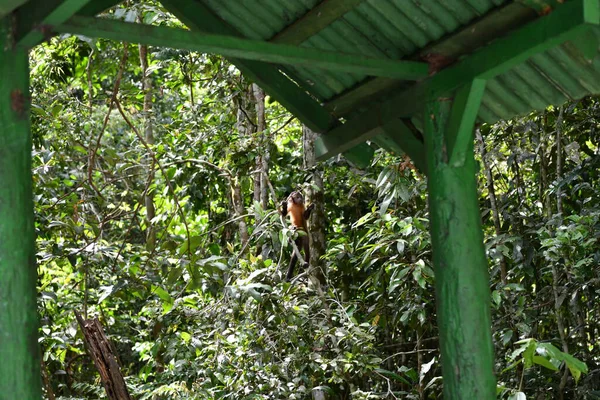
(400, 244)
(507, 336)
(544, 363)
(193, 244)
(162, 294)
(528, 354)
(496, 298)
(392, 375)
(174, 275)
(575, 366)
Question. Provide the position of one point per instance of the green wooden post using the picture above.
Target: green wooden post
(19, 349)
(462, 279)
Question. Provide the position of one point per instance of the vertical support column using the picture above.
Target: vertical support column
(19, 349)
(461, 270)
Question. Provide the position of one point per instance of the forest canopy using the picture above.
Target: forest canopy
(158, 175)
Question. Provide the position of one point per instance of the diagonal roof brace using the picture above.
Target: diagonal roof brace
(567, 22)
(43, 12)
(198, 17)
(7, 6)
(243, 48)
(315, 20)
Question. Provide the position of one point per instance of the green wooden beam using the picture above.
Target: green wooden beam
(461, 270)
(494, 24)
(315, 20)
(336, 141)
(38, 13)
(310, 24)
(196, 16)
(98, 6)
(566, 22)
(541, 6)
(398, 133)
(459, 133)
(230, 46)
(8, 6)
(19, 348)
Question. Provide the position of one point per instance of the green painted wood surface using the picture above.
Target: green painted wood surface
(461, 270)
(567, 22)
(7, 6)
(19, 350)
(198, 17)
(459, 132)
(315, 20)
(493, 25)
(247, 49)
(404, 138)
(38, 13)
(98, 6)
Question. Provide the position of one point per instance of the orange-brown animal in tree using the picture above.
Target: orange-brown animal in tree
(299, 214)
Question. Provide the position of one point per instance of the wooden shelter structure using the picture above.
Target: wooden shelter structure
(411, 76)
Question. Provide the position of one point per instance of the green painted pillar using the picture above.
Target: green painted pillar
(19, 349)
(461, 269)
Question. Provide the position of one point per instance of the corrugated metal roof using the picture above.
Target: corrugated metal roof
(380, 28)
(399, 29)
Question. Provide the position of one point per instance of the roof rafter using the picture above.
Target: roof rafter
(395, 139)
(37, 13)
(247, 49)
(566, 22)
(198, 17)
(494, 24)
(8, 6)
(98, 6)
(459, 131)
(315, 20)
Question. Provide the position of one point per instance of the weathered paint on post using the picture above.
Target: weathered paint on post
(461, 270)
(19, 349)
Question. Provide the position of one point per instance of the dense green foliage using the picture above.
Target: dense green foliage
(202, 316)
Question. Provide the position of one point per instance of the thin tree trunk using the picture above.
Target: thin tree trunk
(559, 156)
(263, 160)
(88, 71)
(543, 186)
(102, 352)
(316, 229)
(261, 178)
(561, 328)
(493, 202)
(149, 137)
(46, 379)
(557, 309)
(237, 200)
(246, 126)
(315, 195)
(421, 387)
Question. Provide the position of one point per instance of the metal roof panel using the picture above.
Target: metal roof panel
(398, 29)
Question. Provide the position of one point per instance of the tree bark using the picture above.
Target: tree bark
(559, 159)
(246, 127)
(261, 178)
(237, 199)
(543, 186)
(560, 323)
(315, 195)
(149, 137)
(493, 202)
(101, 352)
(262, 162)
